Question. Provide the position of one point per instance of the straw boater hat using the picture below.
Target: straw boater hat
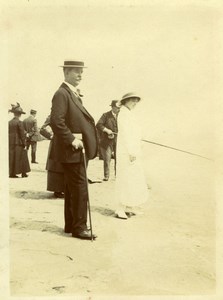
(16, 109)
(73, 64)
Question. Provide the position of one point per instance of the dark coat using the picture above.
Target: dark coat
(55, 174)
(68, 116)
(46, 131)
(30, 125)
(18, 159)
(109, 121)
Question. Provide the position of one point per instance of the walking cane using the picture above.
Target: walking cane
(88, 200)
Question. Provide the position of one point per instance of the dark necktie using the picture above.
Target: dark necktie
(78, 97)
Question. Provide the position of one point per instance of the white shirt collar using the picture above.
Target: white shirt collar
(73, 88)
(114, 114)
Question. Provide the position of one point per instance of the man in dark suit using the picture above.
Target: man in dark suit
(107, 128)
(30, 125)
(73, 129)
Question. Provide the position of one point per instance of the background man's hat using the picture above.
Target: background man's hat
(130, 95)
(32, 111)
(73, 64)
(16, 109)
(114, 103)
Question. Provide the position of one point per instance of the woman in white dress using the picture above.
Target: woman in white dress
(130, 186)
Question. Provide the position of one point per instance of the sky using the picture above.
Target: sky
(169, 55)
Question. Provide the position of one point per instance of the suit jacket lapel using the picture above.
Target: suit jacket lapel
(76, 101)
(111, 115)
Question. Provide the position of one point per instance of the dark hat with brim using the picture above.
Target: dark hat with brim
(73, 64)
(131, 95)
(16, 109)
(33, 111)
(19, 110)
(114, 103)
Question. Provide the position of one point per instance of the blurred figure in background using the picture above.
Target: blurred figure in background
(107, 129)
(55, 172)
(18, 159)
(130, 186)
(30, 125)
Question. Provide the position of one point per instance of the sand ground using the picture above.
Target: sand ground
(170, 250)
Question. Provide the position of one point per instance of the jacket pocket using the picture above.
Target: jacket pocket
(73, 155)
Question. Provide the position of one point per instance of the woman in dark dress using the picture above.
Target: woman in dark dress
(18, 159)
(55, 172)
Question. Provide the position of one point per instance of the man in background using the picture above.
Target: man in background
(30, 125)
(107, 129)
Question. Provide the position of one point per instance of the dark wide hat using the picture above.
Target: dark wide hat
(33, 111)
(131, 95)
(114, 103)
(16, 109)
(73, 64)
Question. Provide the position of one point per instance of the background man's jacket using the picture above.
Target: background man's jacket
(109, 121)
(30, 125)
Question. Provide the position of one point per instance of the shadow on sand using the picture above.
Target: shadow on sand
(103, 211)
(39, 195)
(43, 226)
(33, 195)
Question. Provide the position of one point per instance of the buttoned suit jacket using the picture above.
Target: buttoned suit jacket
(69, 117)
(109, 121)
(30, 125)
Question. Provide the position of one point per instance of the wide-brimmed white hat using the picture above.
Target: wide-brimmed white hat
(131, 95)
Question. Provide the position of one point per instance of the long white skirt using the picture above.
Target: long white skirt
(130, 185)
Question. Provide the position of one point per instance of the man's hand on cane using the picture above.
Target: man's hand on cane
(77, 144)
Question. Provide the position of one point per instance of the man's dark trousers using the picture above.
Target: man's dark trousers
(76, 197)
(33, 149)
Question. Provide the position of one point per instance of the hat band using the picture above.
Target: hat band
(74, 63)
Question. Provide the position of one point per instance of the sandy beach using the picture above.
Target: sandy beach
(169, 250)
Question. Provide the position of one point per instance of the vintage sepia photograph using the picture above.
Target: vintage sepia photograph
(111, 157)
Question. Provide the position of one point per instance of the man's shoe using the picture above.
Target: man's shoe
(13, 176)
(105, 179)
(34, 162)
(24, 175)
(84, 235)
(94, 235)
